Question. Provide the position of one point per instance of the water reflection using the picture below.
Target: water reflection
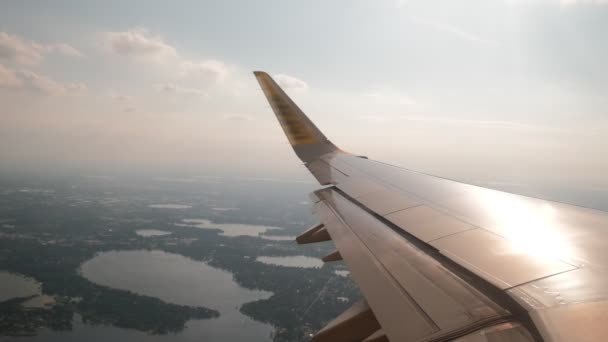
(196, 331)
(228, 229)
(342, 273)
(279, 237)
(291, 261)
(13, 285)
(177, 279)
(170, 206)
(151, 232)
(40, 301)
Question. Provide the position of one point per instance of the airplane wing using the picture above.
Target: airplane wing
(439, 260)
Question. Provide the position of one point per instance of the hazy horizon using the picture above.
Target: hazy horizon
(508, 92)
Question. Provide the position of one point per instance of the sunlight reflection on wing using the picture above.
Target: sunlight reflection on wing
(533, 229)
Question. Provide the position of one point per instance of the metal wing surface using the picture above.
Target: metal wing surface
(439, 260)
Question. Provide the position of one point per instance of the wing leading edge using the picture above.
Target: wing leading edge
(439, 260)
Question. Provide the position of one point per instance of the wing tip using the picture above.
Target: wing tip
(259, 73)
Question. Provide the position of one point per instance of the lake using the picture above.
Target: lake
(170, 206)
(228, 229)
(151, 232)
(196, 331)
(291, 261)
(342, 273)
(176, 279)
(14, 285)
(279, 237)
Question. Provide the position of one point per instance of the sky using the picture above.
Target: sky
(503, 91)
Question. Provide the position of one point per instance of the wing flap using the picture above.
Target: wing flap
(357, 187)
(391, 306)
(402, 284)
(497, 259)
(384, 201)
(378, 336)
(426, 223)
(355, 324)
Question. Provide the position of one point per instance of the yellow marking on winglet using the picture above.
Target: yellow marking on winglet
(295, 127)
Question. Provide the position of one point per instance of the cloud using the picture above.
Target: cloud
(562, 3)
(290, 82)
(465, 122)
(124, 102)
(25, 80)
(579, 2)
(501, 124)
(400, 3)
(509, 125)
(177, 89)
(8, 78)
(65, 49)
(210, 69)
(390, 97)
(199, 74)
(20, 51)
(139, 43)
(457, 32)
(121, 98)
(374, 118)
(237, 117)
(41, 84)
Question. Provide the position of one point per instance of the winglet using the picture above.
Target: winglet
(307, 140)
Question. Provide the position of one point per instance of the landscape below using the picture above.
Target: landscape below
(49, 229)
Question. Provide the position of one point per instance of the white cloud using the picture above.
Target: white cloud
(180, 75)
(8, 78)
(237, 117)
(576, 2)
(121, 98)
(374, 118)
(139, 43)
(65, 49)
(126, 103)
(25, 80)
(562, 3)
(17, 50)
(41, 84)
(177, 89)
(505, 125)
(290, 82)
(390, 97)
(468, 123)
(456, 31)
(210, 69)
(400, 3)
